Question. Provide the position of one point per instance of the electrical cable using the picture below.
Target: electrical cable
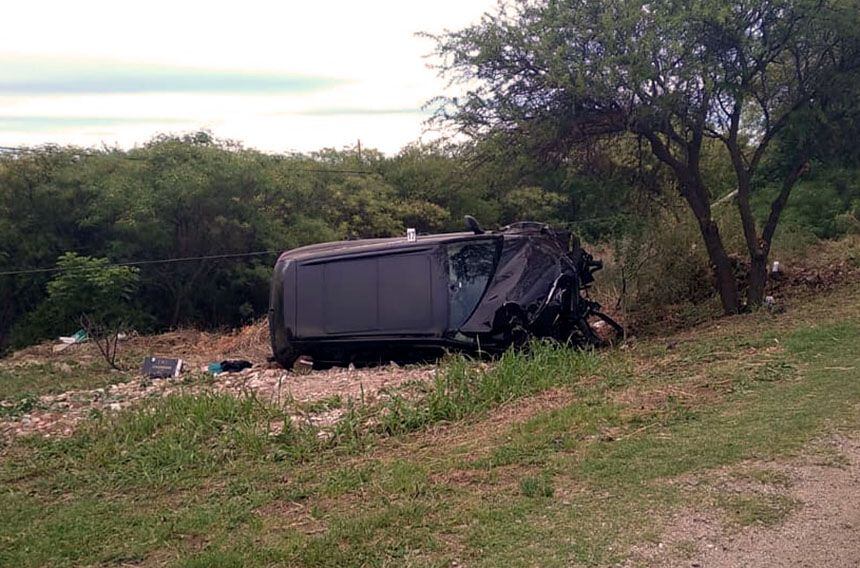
(144, 262)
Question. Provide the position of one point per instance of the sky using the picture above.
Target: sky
(281, 76)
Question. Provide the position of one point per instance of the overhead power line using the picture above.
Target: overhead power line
(597, 219)
(145, 262)
(52, 269)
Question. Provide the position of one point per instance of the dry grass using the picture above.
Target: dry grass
(574, 473)
(196, 347)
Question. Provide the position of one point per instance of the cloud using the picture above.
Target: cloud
(56, 76)
(51, 123)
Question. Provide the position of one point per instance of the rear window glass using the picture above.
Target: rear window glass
(470, 266)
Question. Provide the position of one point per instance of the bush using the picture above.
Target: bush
(96, 295)
(661, 271)
(826, 204)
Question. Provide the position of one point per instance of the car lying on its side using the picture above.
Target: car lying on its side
(407, 298)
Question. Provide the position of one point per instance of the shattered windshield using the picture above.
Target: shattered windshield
(470, 266)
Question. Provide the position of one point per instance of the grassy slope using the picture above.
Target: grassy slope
(576, 466)
(30, 382)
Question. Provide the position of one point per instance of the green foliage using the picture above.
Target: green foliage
(661, 273)
(826, 203)
(191, 196)
(464, 389)
(159, 446)
(757, 509)
(84, 289)
(92, 287)
(573, 476)
(97, 295)
(769, 86)
(536, 486)
(194, 195)
(18, 405)
(365, 206)
(533, 203)
(35, 380)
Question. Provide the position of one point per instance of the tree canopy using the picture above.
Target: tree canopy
(762, 80)
(606, 118)
(190, 196)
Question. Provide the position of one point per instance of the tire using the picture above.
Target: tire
(517, 335)
(592, 337)
(287, 359)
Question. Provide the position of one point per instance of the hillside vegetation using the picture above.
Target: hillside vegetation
(181, 197)
(571, 457)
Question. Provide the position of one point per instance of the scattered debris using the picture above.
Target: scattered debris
(65, 342)
(161, 367)
(59, 414)
(305, 365)
(79, 337)
(815, 279)
(235, 365)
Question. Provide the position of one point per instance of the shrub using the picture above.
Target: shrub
(660, 268)
(96, 294)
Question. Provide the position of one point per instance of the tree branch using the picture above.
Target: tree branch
(779, 203)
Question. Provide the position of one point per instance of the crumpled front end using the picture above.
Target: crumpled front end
(539, 289)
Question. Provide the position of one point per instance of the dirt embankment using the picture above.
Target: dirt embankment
(59, 414)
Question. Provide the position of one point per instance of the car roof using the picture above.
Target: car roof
(337, 248)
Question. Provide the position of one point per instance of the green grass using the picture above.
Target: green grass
(34, 380)
(321, 405)
(756, 508)
(437, 474)
(464, 389)
(763, 476)
(536, 486)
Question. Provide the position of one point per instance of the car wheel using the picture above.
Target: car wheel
(287, 359)
(516, 333)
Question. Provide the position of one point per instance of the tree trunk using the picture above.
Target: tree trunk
(177, 306)
(693, 190)
(727, 284)
(759, 255)
(757, 279)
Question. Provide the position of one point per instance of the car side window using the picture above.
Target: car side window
(470, 266)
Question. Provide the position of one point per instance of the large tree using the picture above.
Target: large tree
(556, 73)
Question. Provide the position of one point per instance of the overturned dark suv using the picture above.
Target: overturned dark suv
(408, 298)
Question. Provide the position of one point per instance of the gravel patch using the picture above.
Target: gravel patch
(58, 415)
(823, 531)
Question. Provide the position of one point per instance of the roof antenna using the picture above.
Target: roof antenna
(473, 225)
